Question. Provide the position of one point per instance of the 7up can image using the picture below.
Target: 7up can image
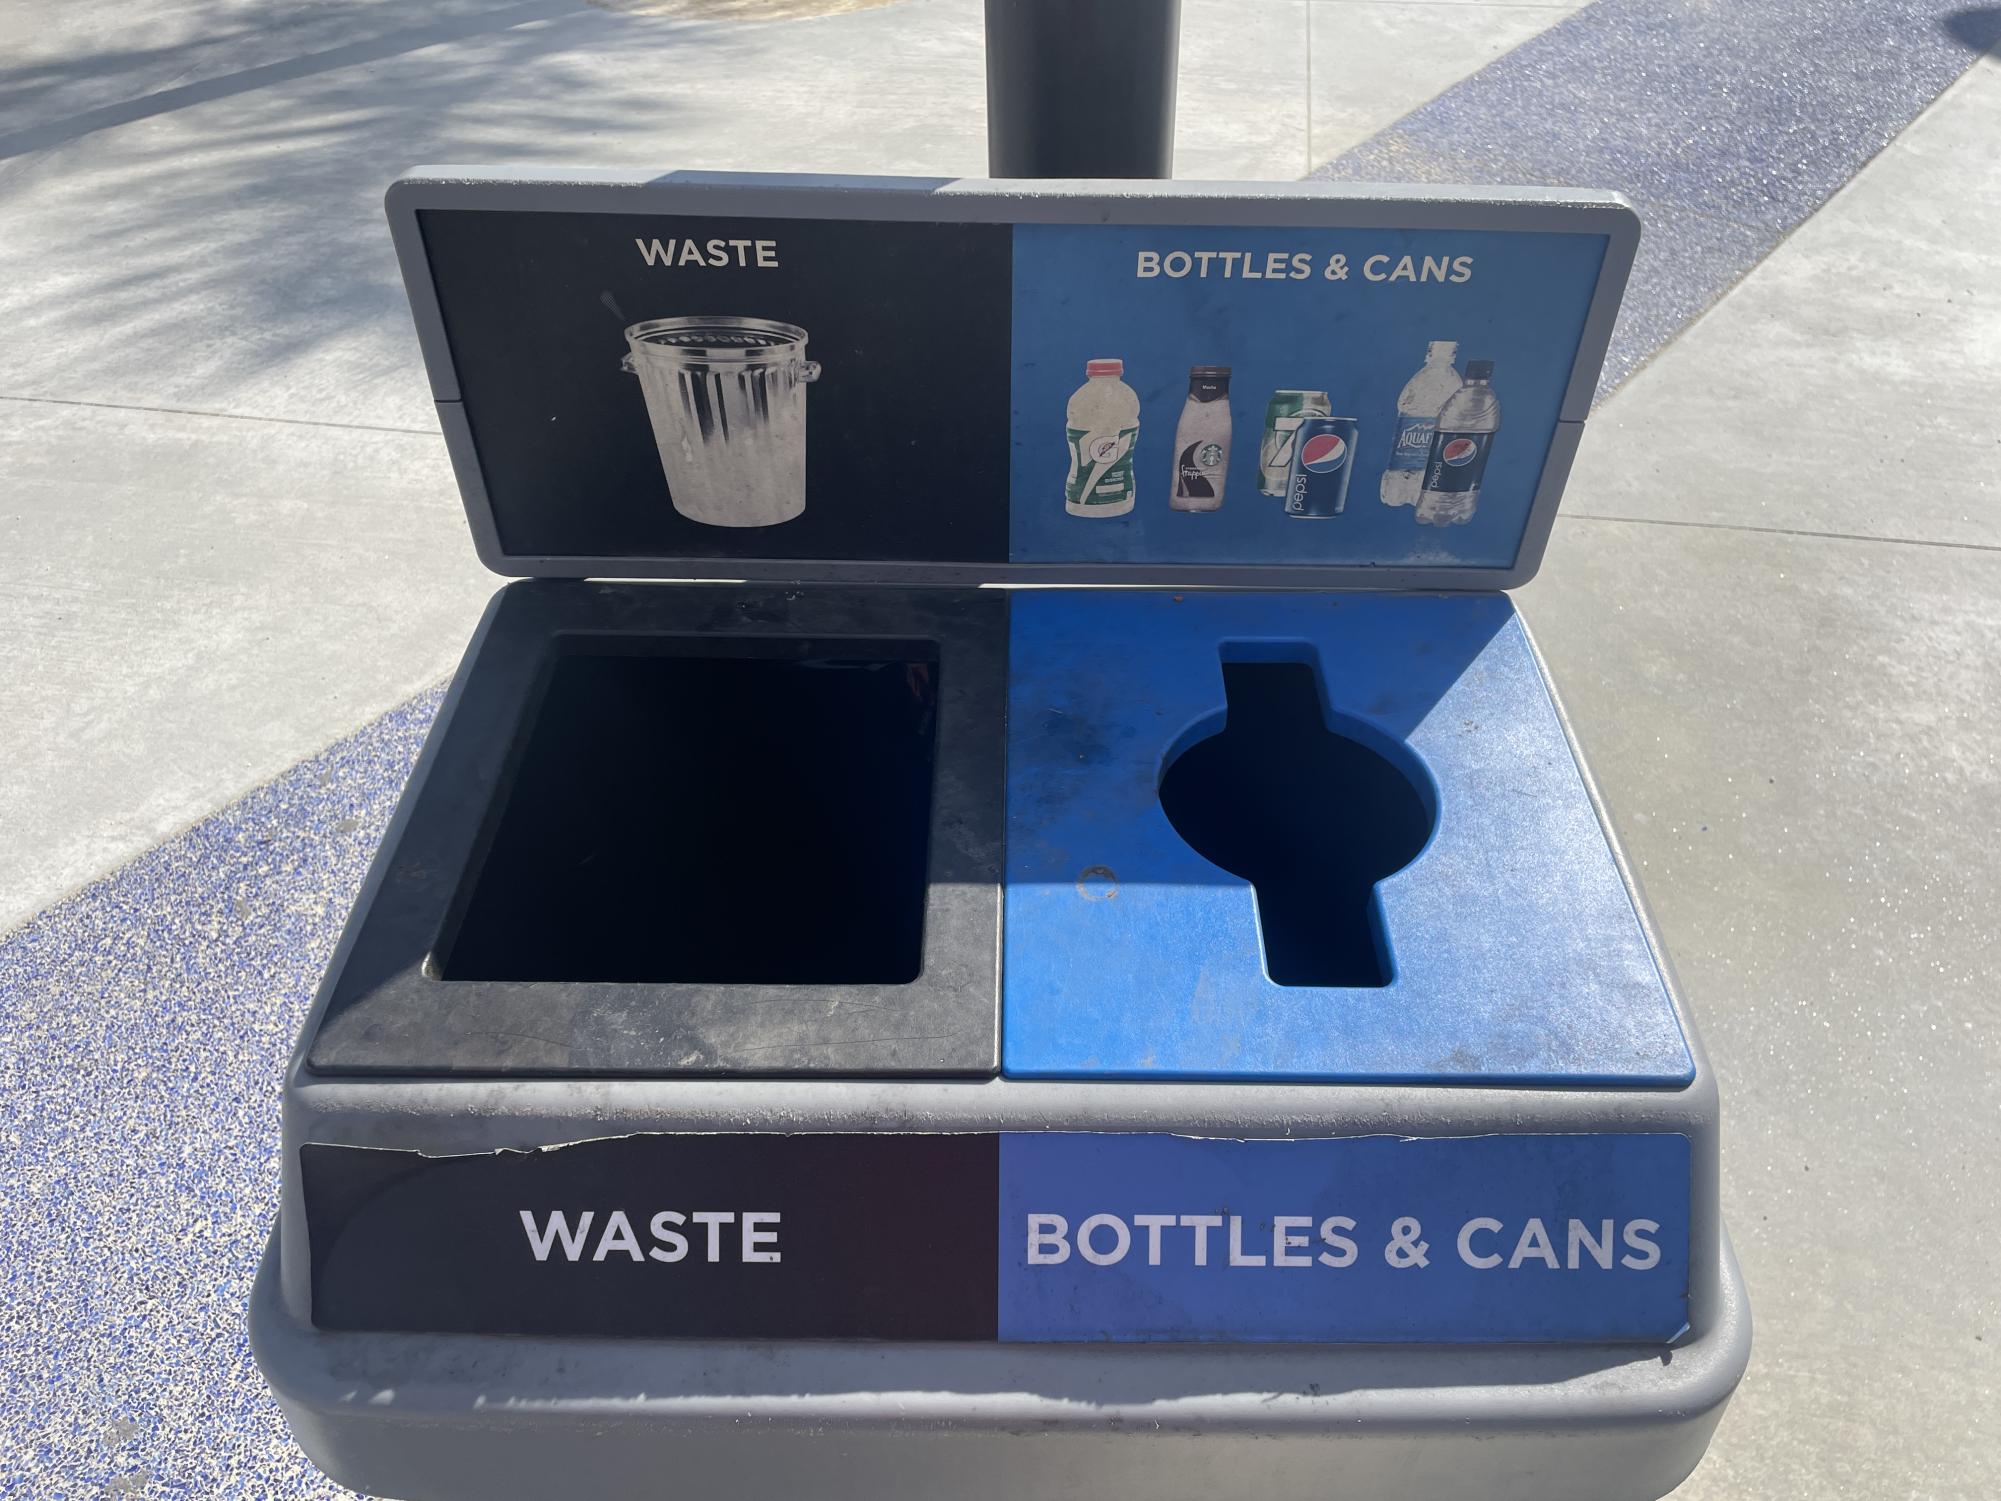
(1323, 460)
(1102, 425)
(1283, 414)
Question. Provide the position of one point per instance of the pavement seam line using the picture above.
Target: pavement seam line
(121, 406)
(1778, 531)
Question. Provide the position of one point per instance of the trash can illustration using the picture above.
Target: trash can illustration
(942, 1000)
(727, 400)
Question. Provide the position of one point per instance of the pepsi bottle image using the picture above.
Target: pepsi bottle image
(1323, 461)
(1460, 450)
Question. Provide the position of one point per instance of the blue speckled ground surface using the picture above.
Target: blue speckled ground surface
(144, 1029)
(145, 1023)
(1725, 122)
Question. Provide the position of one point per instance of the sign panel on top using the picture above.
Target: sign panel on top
(1010, 384)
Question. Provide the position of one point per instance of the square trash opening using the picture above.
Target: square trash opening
(724, 811)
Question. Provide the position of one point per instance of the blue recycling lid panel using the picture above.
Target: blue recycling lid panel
(1331, 837)
(825, 378)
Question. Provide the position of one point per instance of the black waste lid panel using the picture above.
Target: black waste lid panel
(706, 829)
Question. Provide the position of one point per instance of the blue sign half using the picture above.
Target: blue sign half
(1371, 1239)
(1345, 316)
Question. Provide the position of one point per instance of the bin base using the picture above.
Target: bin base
(486, 1418)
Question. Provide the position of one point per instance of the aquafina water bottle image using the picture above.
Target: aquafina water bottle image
(1424, 394)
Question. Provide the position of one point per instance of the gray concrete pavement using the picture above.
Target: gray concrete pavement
(203, 600)
(194, 262)
(1863, 351)
(1773, 605)
(1372, 63)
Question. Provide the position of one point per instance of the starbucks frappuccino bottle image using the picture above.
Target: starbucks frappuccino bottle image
(1103, 423)
(1202, 441)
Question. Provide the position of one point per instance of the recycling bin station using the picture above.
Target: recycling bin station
(1003, 906)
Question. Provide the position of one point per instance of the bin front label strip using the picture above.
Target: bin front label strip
(1029, 1236)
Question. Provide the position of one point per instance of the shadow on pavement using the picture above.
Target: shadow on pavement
(1977, 28)
(164, 101)
(225, 251)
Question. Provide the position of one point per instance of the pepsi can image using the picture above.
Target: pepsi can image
(1323, 458)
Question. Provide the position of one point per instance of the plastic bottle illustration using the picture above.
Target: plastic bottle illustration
(1460, 450)
(1424, 394)
(1202, 441)
(1103, 426)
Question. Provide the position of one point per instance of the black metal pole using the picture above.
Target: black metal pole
(1081, 88)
